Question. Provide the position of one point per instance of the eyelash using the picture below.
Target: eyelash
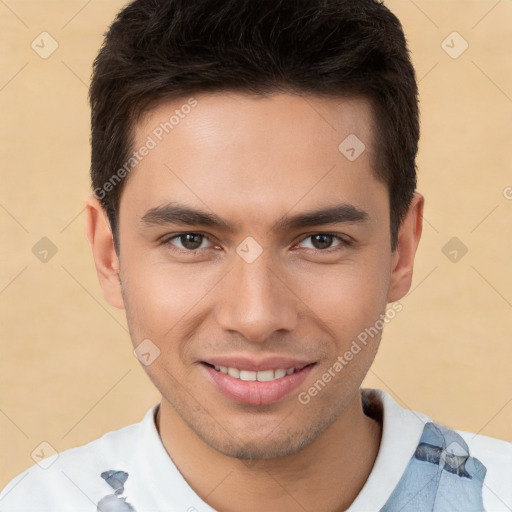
(167, 241)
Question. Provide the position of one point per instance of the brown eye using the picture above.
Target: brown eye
(191, 241)
(188, 241)
(323, 241)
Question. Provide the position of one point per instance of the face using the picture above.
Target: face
(226, 264)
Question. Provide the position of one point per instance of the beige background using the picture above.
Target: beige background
(68, 373)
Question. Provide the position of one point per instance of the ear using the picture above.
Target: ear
(403, 256)
(99, 234)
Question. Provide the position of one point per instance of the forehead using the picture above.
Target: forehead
(271, 119)
(233, 150)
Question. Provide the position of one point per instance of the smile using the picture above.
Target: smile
(261, 376)
(257, 386)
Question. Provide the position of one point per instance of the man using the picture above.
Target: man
(255, 212)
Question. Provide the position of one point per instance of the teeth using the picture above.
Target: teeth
(247, 375)
(234, 372)
(262, 376)
(266, 375)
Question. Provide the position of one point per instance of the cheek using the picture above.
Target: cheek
(162, 297)
(347, 297)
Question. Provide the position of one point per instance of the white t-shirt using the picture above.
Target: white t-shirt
(420, 466)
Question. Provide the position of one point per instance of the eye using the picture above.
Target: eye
(190, 242)
(323, 241)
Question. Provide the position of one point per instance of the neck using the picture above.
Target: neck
(326, 475)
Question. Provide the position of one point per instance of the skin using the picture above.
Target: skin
(252, 160)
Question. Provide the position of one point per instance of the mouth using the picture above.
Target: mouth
(246, 383)
(260, 376)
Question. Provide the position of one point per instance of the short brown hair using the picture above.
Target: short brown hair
(157, 50)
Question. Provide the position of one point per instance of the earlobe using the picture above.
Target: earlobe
(403, 257)
(99, 234)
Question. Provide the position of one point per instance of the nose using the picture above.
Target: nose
(257, 301)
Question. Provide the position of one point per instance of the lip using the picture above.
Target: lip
(255, 392)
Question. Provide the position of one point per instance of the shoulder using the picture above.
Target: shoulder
(490, 449)
(492, 458)
(421, 460)
(72, 477)
(496, 456)
(470, 472)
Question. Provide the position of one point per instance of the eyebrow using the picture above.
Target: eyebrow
(175, 213)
